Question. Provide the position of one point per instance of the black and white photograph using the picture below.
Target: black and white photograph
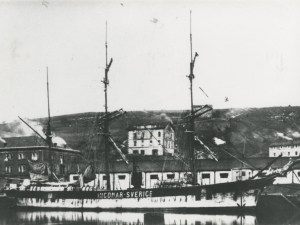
(150, 112)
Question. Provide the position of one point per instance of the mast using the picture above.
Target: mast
(48, 132)
(106, 120)
(192, 116)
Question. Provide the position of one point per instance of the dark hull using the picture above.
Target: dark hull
(229, 196)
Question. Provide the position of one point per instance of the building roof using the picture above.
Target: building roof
(31, 143)
(285, 143)
(202, 165)
(24, 141)
(153, 126)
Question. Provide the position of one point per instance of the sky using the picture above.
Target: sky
(249, 52)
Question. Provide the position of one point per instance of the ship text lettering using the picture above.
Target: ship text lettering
(125, 194)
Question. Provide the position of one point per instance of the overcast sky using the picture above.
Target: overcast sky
(249, 51)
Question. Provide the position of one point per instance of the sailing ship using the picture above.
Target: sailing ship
(184, 194)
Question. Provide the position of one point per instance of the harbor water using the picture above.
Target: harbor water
(15, 216)
(270, 210)
(134, 218)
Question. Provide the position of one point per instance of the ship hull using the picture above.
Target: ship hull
(233, 195)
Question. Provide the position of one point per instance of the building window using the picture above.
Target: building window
(75, 177)
(8, 169)
(22, 169)
(150, 141)
(274, 154)
(224, 175)
(154, 152)
(121, 177)
(159, 142)
(61, 159)
(142, 152)
(134, 143)
(170, 176)
(296, 153)
(159, 134)
(298, 174)
(8, 156)
(21, 156)
(134, 135)
(205, 176)
(34, 156)
(243, 173)
(62, 169)
(288, 153)
(154, 177)
(135, 152)
(104, 178)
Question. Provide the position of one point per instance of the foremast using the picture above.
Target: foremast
(49, 131)
(191, 76)
(106, 119)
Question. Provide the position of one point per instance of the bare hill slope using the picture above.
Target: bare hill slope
(250, 130)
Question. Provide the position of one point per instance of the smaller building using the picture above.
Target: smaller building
(155, 139)
(287, 149)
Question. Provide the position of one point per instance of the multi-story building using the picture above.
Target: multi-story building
(155, 139)
(287, 149)
(15, 152)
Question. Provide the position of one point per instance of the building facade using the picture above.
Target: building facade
(156, 139)
(209, 172)
(287, 149)
(15, 152)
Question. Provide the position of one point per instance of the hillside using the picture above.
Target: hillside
(251, 129)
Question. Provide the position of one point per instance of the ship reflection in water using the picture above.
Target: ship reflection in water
(128, 218)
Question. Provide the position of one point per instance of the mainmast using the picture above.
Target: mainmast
(106, 120)
(48, 132)
(192, 116)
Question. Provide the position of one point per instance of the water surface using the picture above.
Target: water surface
(13, 217)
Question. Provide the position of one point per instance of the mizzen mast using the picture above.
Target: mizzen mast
(106, 119)
(192, 115)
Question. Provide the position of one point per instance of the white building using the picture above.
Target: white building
(157, 139)
(287, 149)
(208, 172)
